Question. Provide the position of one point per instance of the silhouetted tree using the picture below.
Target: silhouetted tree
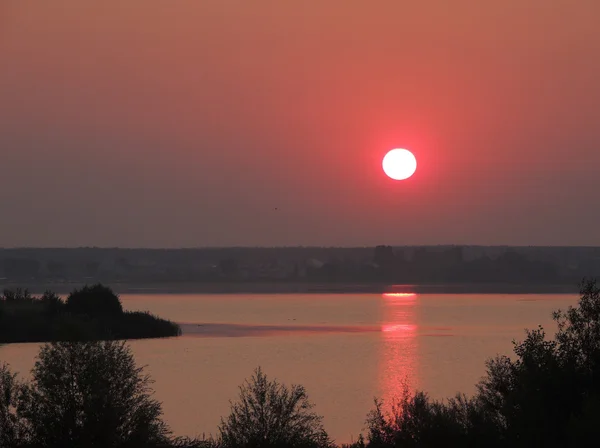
(53, 304)
(16, 295)
(12, 429)
(550, 394)
(417, 421)
(96, 300)
(91, 395)
(269, 414)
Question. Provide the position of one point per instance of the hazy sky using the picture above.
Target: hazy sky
(186, 123)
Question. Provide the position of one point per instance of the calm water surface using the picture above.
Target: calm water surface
(345, 349)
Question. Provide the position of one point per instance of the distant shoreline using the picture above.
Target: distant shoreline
(304, 288)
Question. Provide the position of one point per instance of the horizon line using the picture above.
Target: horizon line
(519, 246)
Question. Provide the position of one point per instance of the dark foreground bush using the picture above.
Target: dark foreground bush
(92, 313)
(269, 414)
(12, 429)
(82, 395)
(415, 420)
(90, 394)
(548, 396)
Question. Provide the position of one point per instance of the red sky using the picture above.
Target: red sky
(185, 123)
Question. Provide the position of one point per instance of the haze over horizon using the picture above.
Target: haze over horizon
(221, 123)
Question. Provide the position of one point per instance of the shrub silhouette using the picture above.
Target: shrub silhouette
(96, 300)
(11, 426)
(16, 295)
(269, 414)
(415, 420)
(91, 395)
(550, 394)
(52, 303)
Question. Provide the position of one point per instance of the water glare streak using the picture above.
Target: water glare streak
(399, 345)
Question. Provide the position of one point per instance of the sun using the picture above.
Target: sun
(399, 164)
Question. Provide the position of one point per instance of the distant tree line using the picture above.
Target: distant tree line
(387, 267)
(91, 394)
(448, 266)
(92, 312)
(382, 264)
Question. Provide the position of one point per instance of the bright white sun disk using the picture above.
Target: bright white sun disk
(399, 164)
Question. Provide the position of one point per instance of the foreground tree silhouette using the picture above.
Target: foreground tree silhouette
(11, 425)
(269, 414)
(414, 420)
(550, 395)
(91, 395)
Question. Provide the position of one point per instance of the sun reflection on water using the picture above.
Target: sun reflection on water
(399, 351)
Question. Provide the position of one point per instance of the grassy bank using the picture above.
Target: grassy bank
(89, 313)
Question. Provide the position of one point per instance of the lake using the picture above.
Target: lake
(346, 349)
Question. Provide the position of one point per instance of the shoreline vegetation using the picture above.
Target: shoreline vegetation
(88, 313)
(92, 394)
